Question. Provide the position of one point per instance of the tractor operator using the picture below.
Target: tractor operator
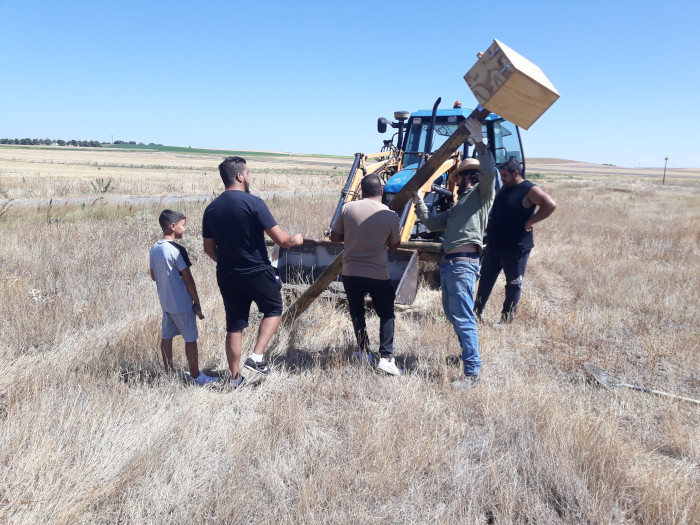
(464, 225)
(233, 229)
(368, 227)
(510, 238)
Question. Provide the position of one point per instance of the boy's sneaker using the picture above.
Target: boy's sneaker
(466, 383)
(235, 383)
(259, 367)
(182, 375)
(203, 379)
(388, 365)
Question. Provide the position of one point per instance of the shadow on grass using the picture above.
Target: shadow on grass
(298, 360)
(136, 374)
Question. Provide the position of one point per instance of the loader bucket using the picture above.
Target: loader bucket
(303, 264)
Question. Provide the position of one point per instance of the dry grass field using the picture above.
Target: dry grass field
(89, 173)
(93, 431)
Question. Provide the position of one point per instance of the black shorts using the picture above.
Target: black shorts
(238, 292)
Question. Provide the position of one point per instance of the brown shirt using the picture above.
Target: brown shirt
(367, 227)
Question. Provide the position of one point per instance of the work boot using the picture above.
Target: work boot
(467, 383)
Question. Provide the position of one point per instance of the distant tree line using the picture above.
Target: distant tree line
(49, 142)
(60, 142)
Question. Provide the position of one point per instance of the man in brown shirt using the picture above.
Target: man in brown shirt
(368, 227)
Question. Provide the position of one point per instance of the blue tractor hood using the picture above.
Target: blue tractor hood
(398, 181)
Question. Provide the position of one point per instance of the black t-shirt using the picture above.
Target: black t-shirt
(237, 221)
(506, 226)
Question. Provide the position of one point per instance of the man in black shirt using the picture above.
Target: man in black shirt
(233, 229)
(509, 236)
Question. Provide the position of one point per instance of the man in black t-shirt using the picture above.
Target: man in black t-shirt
(509, 236)
(233, 229)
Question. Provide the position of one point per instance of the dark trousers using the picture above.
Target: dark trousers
(382, 294)
(513, 263)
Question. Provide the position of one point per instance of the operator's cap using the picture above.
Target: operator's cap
(465, 165)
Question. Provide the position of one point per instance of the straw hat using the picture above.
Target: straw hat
(466, 164)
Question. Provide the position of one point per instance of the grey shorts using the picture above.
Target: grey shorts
(183, 323)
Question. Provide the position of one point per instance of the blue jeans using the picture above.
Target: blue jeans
(458, 279)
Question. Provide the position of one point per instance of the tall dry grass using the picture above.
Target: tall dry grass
(93, 431)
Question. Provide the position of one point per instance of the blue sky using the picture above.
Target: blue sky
(313, 77)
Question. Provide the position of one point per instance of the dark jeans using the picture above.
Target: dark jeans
(382, 295)
(513, 263)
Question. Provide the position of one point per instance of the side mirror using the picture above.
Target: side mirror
(381, 125)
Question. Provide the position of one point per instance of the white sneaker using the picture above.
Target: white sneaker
(389, 366)
(203, 379)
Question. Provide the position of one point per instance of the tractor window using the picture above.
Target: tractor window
(443, 130)
(506, 141)
(418, 134)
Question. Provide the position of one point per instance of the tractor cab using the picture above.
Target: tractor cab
(422, 133)
(418, 134)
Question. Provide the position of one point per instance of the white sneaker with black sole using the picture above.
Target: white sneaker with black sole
(388, 365)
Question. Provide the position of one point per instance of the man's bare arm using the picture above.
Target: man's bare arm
(395, 236)
(546, 205)
(283, 239)
(209, 248)
(337, 236)
(153, 276)
(489, 172)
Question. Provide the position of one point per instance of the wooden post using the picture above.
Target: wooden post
(312, 292)
(663, 182)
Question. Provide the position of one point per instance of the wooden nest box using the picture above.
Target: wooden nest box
(508, 84)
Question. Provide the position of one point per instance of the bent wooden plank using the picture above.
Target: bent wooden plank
(312, 292)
